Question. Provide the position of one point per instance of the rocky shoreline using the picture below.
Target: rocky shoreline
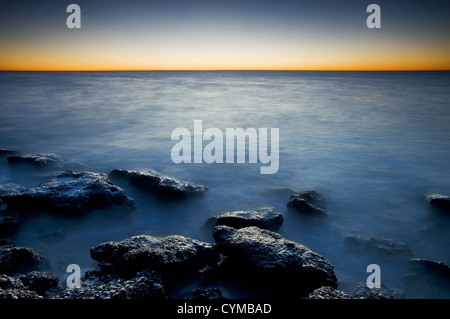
(246, 244)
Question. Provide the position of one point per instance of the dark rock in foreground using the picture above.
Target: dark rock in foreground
(328, 293)
(306, 203)
(41, 282)
(35, 159)
(208, 293)
(169, 255)
(19, 259)
(265, 217)
(271, 260)
(363, 292)
(157, 184)
(378, 245)
(437, 269)
(71, 192)
(145, 285)
(439, 201)
(12, 288)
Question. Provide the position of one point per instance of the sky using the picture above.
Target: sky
(225, 35)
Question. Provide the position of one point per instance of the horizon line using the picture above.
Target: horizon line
(227, 70)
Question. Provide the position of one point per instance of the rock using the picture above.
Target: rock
(208, 293)
(41, 282)
(35, 159)
(70, 192)
(436, 269)
(5, 151)
(169, 255)
(439, 201)
(265, 217)
(267, 258)
(10, 188)
(431, 279)
(19, 259)
(145, 285)
(306, 202)
(328, 293)
(11, 288)
(361, 291)
(160, 185)
(9, 222)
(378, 245)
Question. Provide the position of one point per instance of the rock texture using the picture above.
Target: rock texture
(265, 217)
(268, 257)
(328, 293)
(157, 184)
(35, 159)
(70, 192)
(307, 203)
(12, 288)
(169, 255)
(19, 259)
(95, 285)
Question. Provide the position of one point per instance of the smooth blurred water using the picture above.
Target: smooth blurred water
(372, 143)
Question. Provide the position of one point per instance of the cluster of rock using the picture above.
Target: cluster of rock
(245, 243)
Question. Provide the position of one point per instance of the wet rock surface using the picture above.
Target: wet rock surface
(265, 217)
(12, 288)
(377, 244)
(98, 285)
(361, 291)
(328, 293)
(40, 160)
(70, 192)
(307, 203)
(158, 184)
(267, 257)
(19, 259)
(439, 201)
(40, 282)
(169, 255)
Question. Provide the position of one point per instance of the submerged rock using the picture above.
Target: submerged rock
(306, 203)
(169, 255)
(71, 192)
(19, 259)
(378, 245)
(35, 159)
(428, 278)
(439, 201)
(144, 285)
(12, 288)
(9, 221)
(265, 217)
(157, 184)
(269, 259)
(328, 293)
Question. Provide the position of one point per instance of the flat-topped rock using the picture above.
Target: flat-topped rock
(269, 258)
(265, 217)
(158, 184)
(377, 244)
(70, 192)
(41, 159)
(439, 201)
(169, 255)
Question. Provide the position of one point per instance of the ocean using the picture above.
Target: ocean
(373, 144)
